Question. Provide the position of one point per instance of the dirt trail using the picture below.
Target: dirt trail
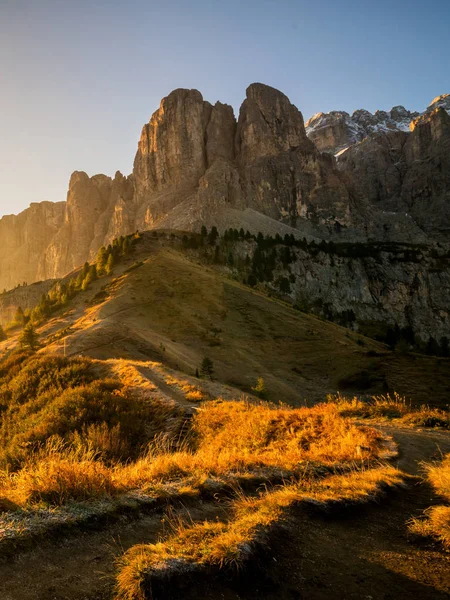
(82, 566)
(361, 554)
(166, 389)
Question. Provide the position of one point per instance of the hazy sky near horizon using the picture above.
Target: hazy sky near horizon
(79, 78)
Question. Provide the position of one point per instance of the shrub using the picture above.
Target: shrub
(54, 396)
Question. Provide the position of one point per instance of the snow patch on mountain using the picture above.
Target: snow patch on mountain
(335, 131)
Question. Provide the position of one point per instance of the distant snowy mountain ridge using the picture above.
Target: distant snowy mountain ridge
(335, 131)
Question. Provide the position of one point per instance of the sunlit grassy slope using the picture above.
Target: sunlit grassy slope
(173, 310)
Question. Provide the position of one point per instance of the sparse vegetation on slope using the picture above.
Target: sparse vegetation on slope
(56, 398)
(175, 310)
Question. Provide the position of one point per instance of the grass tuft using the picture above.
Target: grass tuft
(436, 520)
(391, 407)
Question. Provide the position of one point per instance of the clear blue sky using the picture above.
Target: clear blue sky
(79, 78)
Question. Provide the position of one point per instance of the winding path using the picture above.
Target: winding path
(362, 554)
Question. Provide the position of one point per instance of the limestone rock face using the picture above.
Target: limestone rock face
(407, 173)
(171, 155)
(386, 289)
(94, 215)
(283, 174)
(171, 148)
(193, 158)
(24, 239)
(268, 125)
(196, 164)
(337, 130)
(220, 134)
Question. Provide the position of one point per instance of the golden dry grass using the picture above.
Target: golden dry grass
(231, 543)
(389, 406)
(228, 440)
(435, 523)
(57, 475)
(191, 392)
(436, 520)
(241, 437)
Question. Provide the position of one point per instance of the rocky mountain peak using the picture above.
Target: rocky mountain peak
(195, 164)
(268, 124)
(442, 101)
(336, 131)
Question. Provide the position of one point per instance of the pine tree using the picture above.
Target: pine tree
(29, 337)
(252, 281)
(285, 287)
(102, 257)
(207, 368)
(19, 317)
(260, 388)
(213, 235)
(126, 246)
(85, 269)
(109, 264)
(90, 277)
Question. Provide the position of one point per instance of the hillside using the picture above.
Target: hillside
(173, 310)
(127, 472)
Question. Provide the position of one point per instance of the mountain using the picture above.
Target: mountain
(407, 173)
(197, 164)
(337, 130)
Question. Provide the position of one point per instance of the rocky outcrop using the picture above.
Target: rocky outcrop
(371, 288)
(97, 210)
(194, 160)
(268, 125)
(196, 164)
(24, 239)
(407, 174)
(282, 173)
(337, 130)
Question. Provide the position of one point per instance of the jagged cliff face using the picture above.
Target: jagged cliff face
(282, 173)
(370, 288)
(407, 174)
(24, 239)
(337, 130)
(196, 155)
(197, 164)
(97, 210)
